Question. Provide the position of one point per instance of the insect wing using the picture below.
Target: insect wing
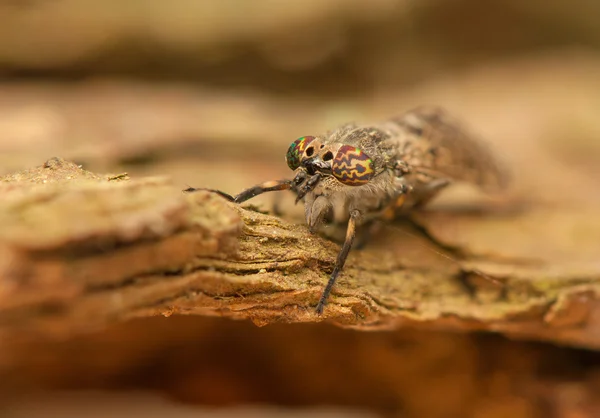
(435, 146)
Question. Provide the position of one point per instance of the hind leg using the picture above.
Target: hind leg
(423, 194)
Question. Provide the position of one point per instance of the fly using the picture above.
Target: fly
(357, 174)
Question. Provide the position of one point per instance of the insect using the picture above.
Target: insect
(356, 174)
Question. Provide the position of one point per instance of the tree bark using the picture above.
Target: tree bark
(79, 251)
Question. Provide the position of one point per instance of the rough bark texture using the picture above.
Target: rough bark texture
(80, 250)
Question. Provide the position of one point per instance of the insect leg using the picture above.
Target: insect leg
(429, 191)
(269, 186)
(341, 259)
(220, 193)
(364, 234)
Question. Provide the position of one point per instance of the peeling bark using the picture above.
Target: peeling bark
(79, 251)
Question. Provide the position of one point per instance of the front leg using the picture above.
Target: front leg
(268, 186)
(355, 217)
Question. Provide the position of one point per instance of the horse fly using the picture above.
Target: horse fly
(356, 174)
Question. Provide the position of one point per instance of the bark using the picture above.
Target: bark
(79, 251)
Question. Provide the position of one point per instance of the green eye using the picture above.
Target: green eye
(352, 167)
(295, 151)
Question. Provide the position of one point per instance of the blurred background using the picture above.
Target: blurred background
(211, 93)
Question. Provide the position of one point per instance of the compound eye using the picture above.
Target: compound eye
(352, 167)
(296, 151)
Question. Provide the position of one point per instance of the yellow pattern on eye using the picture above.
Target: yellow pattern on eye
(352, 167)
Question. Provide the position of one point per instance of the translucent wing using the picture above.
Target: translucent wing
(433, 146)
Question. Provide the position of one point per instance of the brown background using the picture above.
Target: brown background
(211, 94)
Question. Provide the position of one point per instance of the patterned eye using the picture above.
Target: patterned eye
(352, 167)
(296, 150)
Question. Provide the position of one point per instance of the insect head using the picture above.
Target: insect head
(349, 165)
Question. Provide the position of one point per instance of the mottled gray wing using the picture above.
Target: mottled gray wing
(435, 145)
